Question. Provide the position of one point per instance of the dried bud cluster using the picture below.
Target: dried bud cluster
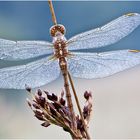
(87, 110)
(52, 109)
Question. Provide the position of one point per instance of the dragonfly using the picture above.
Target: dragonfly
(62, 53)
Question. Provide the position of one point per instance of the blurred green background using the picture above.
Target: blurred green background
(116, 104)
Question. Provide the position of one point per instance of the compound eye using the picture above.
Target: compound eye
(53, 31)
(62, 29)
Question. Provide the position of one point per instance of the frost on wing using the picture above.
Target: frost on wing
(106, 35)
(34, 74)
(99, 65)
(20, 50)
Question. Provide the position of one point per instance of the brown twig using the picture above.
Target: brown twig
(52, 12)
(65, 77)
(78, 105)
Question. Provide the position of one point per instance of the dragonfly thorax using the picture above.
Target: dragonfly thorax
(60, 47)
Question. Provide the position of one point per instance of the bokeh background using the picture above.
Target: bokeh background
(116, 109)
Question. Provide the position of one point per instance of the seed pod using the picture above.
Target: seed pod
(52, 109)
(62, 101)
(39, 115)
(39, 92)
(42, 101)
(52, 97)
(85, 112)
(87, 95)
(65, 129)
(37, 99)
(36, 106)
(28, 88)
(46, 124)
(57, 105)
(80, 125)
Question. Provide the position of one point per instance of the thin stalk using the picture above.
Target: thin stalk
(52, 12)
(78, 105)
(65, 77)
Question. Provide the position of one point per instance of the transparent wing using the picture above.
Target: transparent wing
(99, 65)
(106, 35)
(34, 74)
(12, 50)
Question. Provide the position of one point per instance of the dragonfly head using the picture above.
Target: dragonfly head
(57, 30)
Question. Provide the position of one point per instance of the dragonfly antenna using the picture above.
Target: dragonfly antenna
(52, 12)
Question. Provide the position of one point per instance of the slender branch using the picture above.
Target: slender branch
(78, 105)
(68, 95)
(52, 12)
(64, 72)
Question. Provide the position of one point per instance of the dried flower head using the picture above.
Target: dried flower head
(51, 109)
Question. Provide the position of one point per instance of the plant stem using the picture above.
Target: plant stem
(65, 77)
(78, 105)
(52, 12)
